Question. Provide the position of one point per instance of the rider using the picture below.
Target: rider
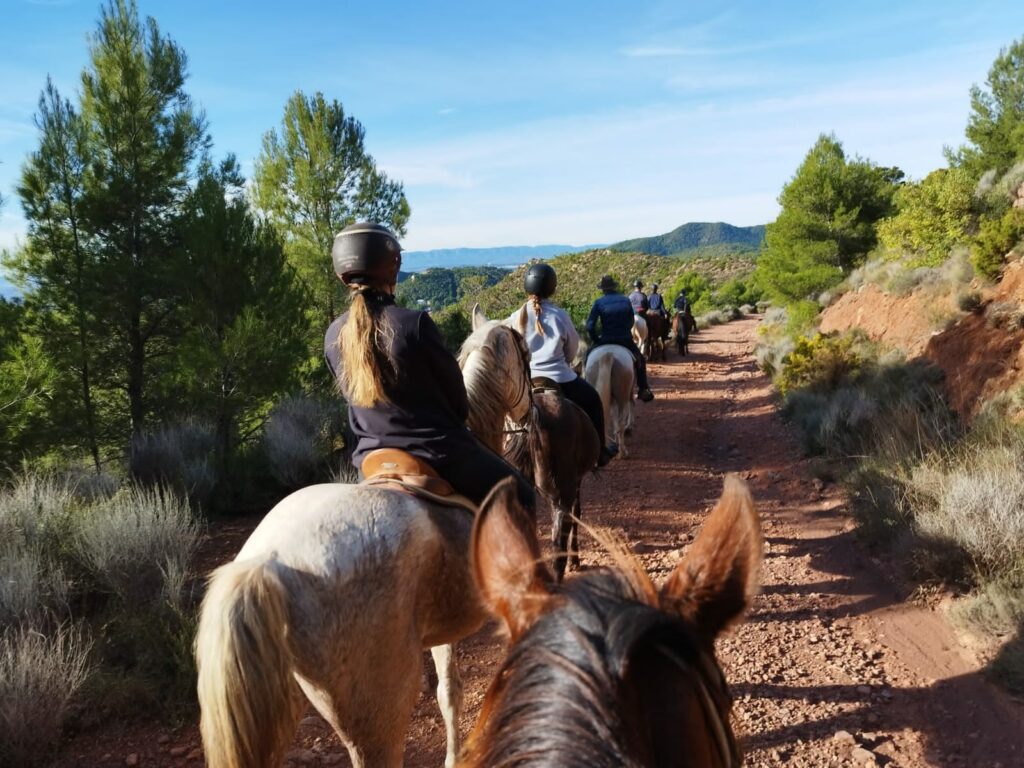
(656, 305)
(553, 343)
(615, 312)
(682, 304)
(639, 299)
(403, 387)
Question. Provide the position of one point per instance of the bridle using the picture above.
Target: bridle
(523, 425)
(709, 678)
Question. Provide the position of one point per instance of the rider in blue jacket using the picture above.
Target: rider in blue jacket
(615, 314)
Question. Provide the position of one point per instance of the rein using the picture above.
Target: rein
(725, 743)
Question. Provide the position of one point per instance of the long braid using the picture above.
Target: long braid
(537, 313)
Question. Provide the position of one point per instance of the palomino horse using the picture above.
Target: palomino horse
(657, 327)
(606, 670)
(335, 595)
(610, 371)
(555, 448)
(640, 335)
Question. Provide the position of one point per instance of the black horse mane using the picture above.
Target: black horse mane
(558, 698)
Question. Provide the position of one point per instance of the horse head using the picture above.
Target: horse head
(495, 365)
(607, 668)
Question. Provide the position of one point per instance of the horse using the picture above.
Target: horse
(554, 449)
(682, 325)
(605, 670)
(640, 335)
(334, 596)
(657, 325)
(610, 370)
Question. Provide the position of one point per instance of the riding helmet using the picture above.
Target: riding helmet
(608, 284)
(654, 286)
(540, 280)
(366, 254)
(638, 284)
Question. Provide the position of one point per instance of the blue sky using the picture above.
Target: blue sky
(537, 122)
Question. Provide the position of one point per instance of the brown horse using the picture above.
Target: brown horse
(683, 325)
(607, 671)
(657, 330)
(554, 448)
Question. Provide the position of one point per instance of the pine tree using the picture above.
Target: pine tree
(313, 179)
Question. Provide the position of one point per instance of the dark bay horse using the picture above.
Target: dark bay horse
(683, 325)
(606, 670)
(657, 330)
(554, 447)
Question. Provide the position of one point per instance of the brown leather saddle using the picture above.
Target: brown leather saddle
(394, 468)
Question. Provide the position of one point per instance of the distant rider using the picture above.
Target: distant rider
(656, 305)
(615, 314)
(639, 299)
(404, 388)
(553, 343)
(682, 304)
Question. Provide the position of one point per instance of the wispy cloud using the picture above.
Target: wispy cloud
(447, 111)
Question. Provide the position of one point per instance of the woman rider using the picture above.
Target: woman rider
(403, 387)
(553, 341)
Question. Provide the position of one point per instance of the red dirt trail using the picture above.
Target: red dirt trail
(832, 666)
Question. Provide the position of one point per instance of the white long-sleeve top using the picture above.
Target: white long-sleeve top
(551, 355)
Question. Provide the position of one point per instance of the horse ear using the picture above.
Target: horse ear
(507, 565)
(479, 318)
(717, 578)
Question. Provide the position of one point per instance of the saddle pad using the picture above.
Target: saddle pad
(404, 485)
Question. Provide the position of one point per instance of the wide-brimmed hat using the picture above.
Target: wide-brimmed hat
(608, 284)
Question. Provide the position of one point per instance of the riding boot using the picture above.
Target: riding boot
(585, 396)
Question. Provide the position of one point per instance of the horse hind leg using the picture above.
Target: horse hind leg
(574, 547)
(449, 697)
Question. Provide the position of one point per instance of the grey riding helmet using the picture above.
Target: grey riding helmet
(638, 284)
(366, 254)
(540, 280)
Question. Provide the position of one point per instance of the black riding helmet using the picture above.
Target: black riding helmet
(638, 284)
(540, 280)
(365, 254)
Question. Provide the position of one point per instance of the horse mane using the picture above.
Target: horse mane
(558, 698)
(482, 359)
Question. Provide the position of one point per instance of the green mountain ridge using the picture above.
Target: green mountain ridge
(694, 235)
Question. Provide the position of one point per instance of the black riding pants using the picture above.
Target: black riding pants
(473, 470)
(638, 359)
(585, 396)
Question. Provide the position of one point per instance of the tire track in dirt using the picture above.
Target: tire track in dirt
(832, 667)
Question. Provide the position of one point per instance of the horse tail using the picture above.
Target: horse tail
(247, 694)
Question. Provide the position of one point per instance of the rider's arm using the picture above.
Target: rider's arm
(572, 339)
(444, 365)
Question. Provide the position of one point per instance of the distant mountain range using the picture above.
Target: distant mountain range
(693, 236)
(503, 256)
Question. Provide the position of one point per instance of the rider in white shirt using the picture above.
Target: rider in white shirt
(553, 342)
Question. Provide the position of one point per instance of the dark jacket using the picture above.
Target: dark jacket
(615, 313)
(656, 303)
(682, 304)
(426, 415)
(639, 301)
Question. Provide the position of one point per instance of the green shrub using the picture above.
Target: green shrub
(996, 239)
(179, 456)
(303, 439)
(819, 363)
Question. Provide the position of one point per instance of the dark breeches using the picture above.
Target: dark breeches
(585, 396)
(639, 363)
(473, 470)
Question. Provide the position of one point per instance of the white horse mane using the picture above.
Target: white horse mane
(489, 368)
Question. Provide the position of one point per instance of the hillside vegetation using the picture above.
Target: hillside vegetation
(913, 398)
(710, 282)
(438, 287)
(697, 239)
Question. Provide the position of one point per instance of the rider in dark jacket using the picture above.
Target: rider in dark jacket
(615, 314)
(411, 396)
(639, 299)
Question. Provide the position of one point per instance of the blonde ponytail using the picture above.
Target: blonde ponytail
(364, 362)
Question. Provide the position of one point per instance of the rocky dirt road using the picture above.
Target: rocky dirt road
(832, 667)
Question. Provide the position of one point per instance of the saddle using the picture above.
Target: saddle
(400, 471)
(544, 384)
